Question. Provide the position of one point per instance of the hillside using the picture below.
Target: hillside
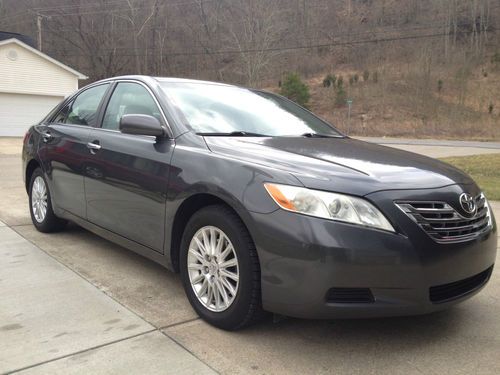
(403, 102)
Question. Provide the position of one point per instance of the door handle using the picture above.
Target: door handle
(93, 147)
(46, 136)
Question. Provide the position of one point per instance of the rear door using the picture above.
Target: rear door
(126, 185)
(64, 151)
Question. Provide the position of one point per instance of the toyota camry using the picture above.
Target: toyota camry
(260, 205)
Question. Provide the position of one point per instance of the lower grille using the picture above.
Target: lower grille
(444, 224)
(349, 295)
(448, 292)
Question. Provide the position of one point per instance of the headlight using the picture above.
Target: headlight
(488, 211)
(331, 206)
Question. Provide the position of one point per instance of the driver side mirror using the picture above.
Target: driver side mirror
(142, 125)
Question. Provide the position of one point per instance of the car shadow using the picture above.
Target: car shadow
(397, 333)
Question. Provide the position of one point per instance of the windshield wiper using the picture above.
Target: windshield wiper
(237, 133)
(316, 135)
(242, 133)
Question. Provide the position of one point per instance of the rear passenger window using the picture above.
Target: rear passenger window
(62, 114)
(83, 109)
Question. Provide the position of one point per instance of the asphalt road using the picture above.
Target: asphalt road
(74, 303)
(438, 148)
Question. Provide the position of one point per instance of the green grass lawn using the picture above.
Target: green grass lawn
(484, 169)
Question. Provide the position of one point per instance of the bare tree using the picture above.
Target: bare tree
(138, 20)
(252, 41)
(254, 35)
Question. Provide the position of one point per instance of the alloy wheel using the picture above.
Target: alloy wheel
(39, 199)
(213, 268)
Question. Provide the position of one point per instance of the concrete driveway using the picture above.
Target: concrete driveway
(72, 302)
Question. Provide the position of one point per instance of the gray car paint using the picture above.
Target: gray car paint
(301, 257)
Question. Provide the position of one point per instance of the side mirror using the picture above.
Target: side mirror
(141, 125)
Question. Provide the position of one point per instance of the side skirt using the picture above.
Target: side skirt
(119, 240)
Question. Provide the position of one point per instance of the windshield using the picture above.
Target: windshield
(219, 109)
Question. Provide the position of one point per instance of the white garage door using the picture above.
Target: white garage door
(18, 111)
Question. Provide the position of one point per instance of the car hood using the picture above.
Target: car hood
(341, 164)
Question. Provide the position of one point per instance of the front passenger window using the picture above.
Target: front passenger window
(129, 98)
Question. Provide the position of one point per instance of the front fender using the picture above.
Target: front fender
(197, 170)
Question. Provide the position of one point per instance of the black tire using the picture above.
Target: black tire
(246, 307)
(50, 223)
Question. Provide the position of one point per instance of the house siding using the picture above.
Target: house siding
(32, 74)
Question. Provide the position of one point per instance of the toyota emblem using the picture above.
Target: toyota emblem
(468, 204)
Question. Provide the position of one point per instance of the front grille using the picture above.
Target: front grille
(349, 295)
(444, 224)
(448, 292)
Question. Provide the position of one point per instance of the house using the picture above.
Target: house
(31, 84)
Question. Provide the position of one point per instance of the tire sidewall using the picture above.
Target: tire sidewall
(227, 223)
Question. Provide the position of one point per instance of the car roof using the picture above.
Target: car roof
(189, 80)
(145, 78)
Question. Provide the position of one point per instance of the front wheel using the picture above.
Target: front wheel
(42, 215)
(220, 269)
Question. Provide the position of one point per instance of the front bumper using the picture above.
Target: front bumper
(303, 257)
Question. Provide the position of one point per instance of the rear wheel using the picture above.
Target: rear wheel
(42, 215)
(220, 269)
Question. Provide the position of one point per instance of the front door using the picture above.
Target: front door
(127, 175)
(64, 152)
